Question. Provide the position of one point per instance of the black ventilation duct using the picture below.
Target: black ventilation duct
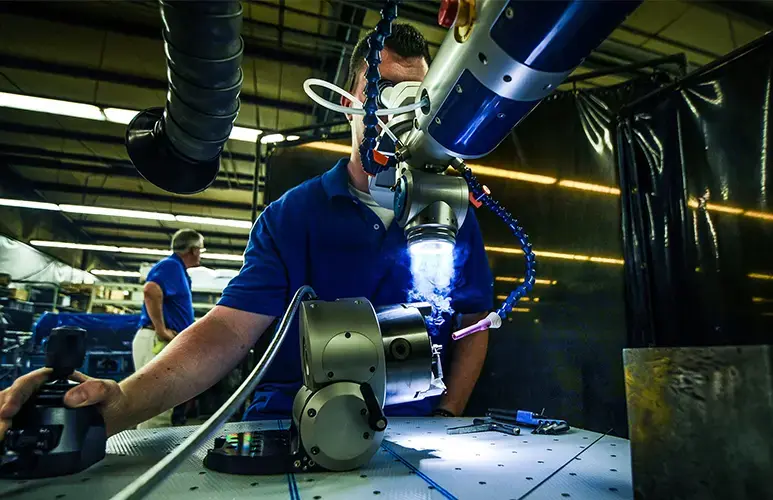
(178, 147)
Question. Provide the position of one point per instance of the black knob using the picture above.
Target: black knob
(65, 350)
(376, 419)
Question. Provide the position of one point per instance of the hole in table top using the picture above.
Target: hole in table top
(410, 472)
(396, 460)
(525, 441)
(540, 461)
(481, 482)
(612, 444)
(430, 487)
(613, 456)
(376, 492)
(513, 451)
(254, 484)
(555, 439)
(85, 479)
(193, 488)
(458, 468)
(612, 489)
(549, 449)
(572, 473)
(202, 473)
(530, 479)
(500, 465)
(363, 476)
(61, 495)
(578, 458)
(317, 497)
(565, 495)
(310, 480)
(477, 454)
(612, 470)
(586, 437)
(475, 437)
(493, 444)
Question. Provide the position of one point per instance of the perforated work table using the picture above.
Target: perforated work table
(418, 460)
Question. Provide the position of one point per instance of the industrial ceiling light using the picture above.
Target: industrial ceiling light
(245, 134)
(117, 212)
(585, 186)
(129, 250)
(51, 106)
(292, 137)
(8, 202)
(513, 279)
(214, 221)
(116, 273)
(272, 138)
(118, 115)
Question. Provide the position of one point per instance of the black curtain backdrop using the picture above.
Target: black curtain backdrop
(695, 159)
(564, 353)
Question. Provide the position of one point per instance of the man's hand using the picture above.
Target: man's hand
(167, 334)
(105, 394)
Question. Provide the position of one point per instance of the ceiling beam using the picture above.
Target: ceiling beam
(135, 261)
(62, 133)
(54, 12)
(29, 64)
(87, 157)
(107, 170)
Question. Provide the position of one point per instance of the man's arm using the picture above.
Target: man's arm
(154, 304)
(468, 357)
(192, 363)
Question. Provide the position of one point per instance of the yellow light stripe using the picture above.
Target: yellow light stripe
(557, 255)
(329, 146)
(513, 279)
(584, 186)
(723, 208)
(511, 174)
(761, 300)
(515, 309)
(758, 276)
(758, 215)
(767, 314)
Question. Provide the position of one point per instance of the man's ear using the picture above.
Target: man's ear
(346, 102)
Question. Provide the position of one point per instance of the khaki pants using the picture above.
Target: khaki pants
(142, 354)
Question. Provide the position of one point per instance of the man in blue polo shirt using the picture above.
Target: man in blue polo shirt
(167, 307)
(327, 233)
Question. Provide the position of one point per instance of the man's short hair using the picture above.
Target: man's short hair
(185, 239)
(405, 41)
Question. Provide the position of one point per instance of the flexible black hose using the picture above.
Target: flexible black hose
(178, 147)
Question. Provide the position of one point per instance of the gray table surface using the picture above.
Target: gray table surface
(418, 460)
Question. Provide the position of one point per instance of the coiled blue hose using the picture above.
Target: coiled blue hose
(480, 194)
(373, 75)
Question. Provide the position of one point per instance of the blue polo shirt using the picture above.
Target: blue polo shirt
(170, 275)
(318, 234)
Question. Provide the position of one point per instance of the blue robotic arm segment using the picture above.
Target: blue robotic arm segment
(517, 54)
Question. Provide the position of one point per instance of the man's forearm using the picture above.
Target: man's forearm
(192, 363)
(466, 365)
(154, 304)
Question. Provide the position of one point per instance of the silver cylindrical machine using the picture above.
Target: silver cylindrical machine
(413, 370)
(356, 360)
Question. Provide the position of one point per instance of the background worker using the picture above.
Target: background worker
(167, 309)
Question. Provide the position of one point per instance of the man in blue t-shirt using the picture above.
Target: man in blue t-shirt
(326, 233)
(168, 304)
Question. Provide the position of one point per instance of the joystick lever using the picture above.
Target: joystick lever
(47, 438)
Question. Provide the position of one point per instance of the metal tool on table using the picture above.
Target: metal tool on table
(485, 425)
(541, 423)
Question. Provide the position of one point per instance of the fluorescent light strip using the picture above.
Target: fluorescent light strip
(584, 186)
(557, 255)
(329, 146)
(512, 279)
(129, 250)
(92, 112)
(761, 300)
(272, 138)
(116, 212)
(723, 208)
(213, 221)
(8, 202)
(115, 272)
(758, 276)
(511, 174)
(51, 106)
(130, 214)
(758, 215)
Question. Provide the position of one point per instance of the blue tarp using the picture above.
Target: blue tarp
(105, 331)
